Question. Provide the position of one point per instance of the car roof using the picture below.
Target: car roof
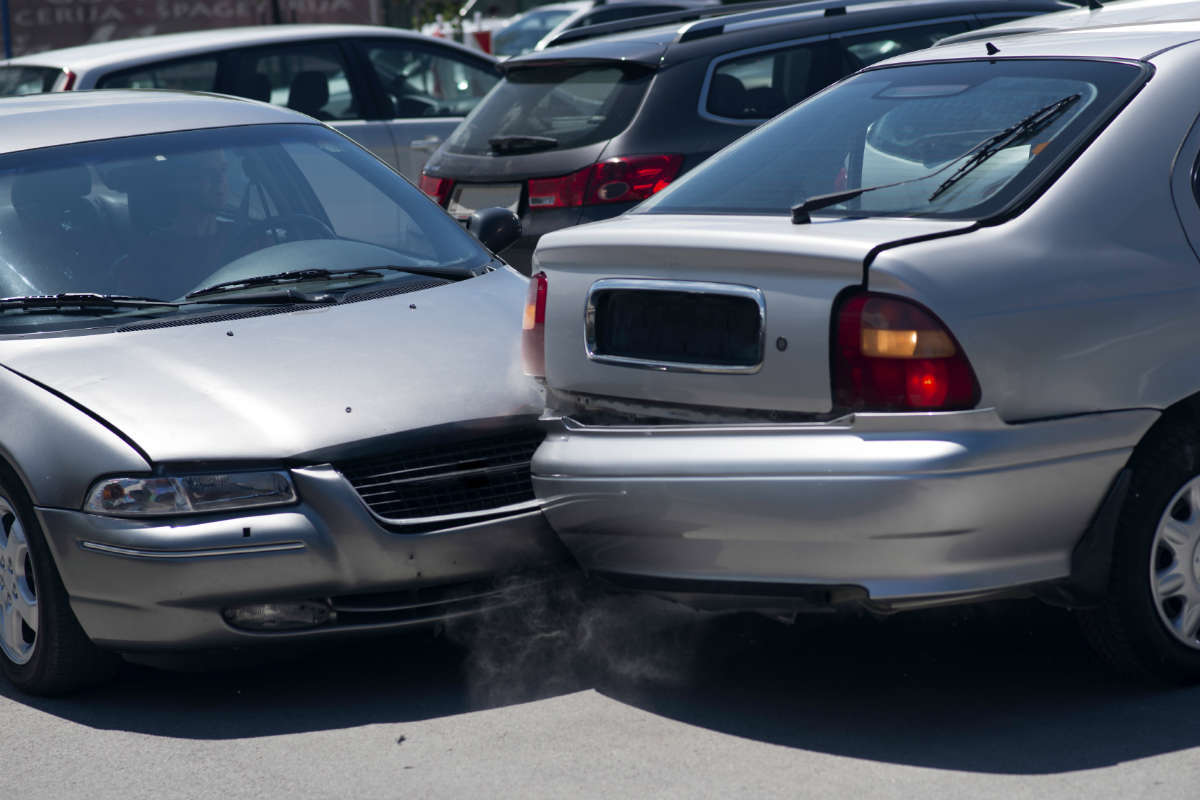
(1134, 41)
(49, 120)
(1122, 13)
(638, 45)
(172, 45)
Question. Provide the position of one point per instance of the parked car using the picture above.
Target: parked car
(927, 338)
(536, 28)
(1115, 12)
(256, 388)
(397, 93)
(585, 131)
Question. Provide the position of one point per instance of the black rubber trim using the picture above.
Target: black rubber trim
(815, 594)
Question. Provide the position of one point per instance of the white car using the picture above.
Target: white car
(397, 93)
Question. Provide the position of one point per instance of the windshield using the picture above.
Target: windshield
(912, 125)
(573, 105)
(165, 214)
(520, 35)
(15, 80)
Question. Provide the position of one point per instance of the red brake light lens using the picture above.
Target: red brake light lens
(629, 179)
(68, 81)
(533, 327)
(891, 354)
(436, 188)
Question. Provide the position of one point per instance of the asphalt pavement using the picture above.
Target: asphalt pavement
(628, 698)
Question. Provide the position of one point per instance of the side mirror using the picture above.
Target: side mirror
(495, 228)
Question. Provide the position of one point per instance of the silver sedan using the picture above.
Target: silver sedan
(929, 337)
(254, 387)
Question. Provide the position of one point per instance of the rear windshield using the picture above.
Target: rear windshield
(16, 80)
(933, 130)
(520, 35)
(573, 106)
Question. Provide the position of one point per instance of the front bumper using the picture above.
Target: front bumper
(138, 584)
(906, 507)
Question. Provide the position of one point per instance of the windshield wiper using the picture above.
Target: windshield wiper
(317, 274)
(502, 145)
(90, 301)
(975, 155)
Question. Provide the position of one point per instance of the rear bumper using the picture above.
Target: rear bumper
(138, 585)
(906, 507)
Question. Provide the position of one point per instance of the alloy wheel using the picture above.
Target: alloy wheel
(18, 589)
(1175, 565)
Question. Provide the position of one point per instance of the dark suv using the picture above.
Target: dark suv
(583, 131)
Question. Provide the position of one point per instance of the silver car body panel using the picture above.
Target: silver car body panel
(903, 505)
(246, 389)
(1077, 313)
(139, 585)
(405, 144)
(1123, 13)
(799, 271)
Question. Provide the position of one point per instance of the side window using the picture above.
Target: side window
(310, 79)
(860, 51)
(421, 83)
(615, 13)
(193, 75)
(761, 85)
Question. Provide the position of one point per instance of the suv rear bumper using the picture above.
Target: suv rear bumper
(904, 506)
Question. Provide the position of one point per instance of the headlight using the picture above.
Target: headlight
(189, 494)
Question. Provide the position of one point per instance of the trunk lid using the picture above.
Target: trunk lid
(661, 308)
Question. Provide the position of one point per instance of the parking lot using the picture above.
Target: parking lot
(1002, 700)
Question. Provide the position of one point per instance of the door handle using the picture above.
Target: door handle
(428, 144)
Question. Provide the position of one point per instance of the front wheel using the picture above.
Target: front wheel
(1149, 621)
(43, 649)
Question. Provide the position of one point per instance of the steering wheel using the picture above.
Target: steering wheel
(284, 228)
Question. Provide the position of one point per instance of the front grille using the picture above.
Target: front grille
(475, 475)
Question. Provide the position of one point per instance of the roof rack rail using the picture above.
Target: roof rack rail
(712, 27)
(668, 17)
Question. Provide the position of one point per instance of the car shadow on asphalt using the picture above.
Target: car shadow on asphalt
(1006, 688)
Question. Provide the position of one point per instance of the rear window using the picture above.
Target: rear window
(572, 106)
(15, 80)
(917, 134)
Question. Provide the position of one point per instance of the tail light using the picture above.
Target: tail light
(533, 327)
(436, 188)
(891, 354)
(67, 81)
(629, 179)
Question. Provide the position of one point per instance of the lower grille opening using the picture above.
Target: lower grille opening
(475, 475)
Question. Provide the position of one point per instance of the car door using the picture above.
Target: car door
(314, 78)
(425, 91)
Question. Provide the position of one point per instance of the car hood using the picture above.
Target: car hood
(308, 383)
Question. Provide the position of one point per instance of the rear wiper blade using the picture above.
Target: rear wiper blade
(989, 147)
(319, 274)
(517, 144)
(976, 155)
(91, 301)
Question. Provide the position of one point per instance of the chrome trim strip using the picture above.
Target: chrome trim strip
(697, 287)
(137, 552)
(463, 517)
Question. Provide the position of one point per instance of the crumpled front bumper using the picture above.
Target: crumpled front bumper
(899, 506)
(150, 584)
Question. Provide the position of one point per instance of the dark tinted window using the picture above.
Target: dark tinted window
(914, 126)
(865, 49)
(27, 80)
(760, 85)
(573, 106)
(618, 12)
(308, 78)
(523, 33)
(421, 83)
(192, 75)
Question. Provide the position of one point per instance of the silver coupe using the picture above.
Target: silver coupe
(929, 337)
(254, 386)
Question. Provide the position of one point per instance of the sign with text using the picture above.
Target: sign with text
(38, 25)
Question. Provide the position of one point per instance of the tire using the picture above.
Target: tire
(1148, 624)
(43, 649)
